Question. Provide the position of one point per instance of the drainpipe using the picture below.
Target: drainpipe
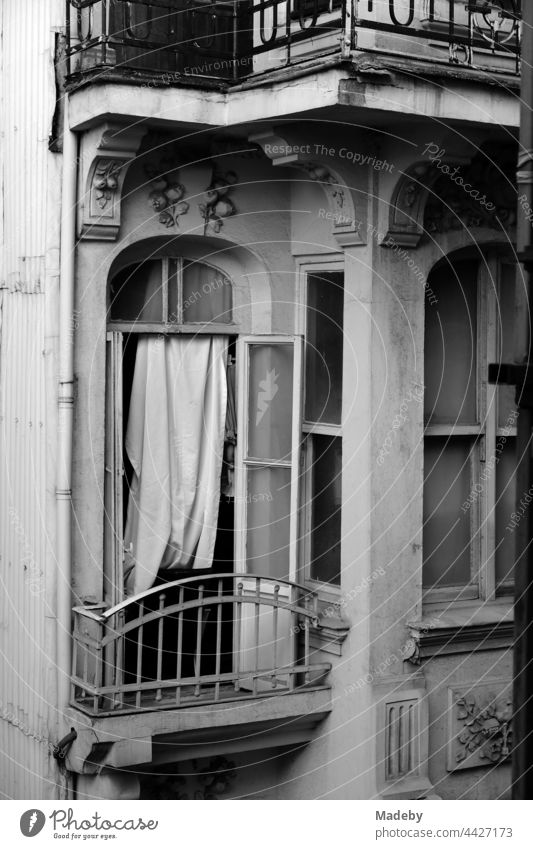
(65, 418)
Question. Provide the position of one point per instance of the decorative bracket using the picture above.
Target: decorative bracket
(329, 632)
(109, 150)
(406, 216)
(282, 151)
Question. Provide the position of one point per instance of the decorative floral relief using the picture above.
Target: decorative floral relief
(212, 782)
(451, 206)
(217, 204)
(487, 730)
(105, 181)
(166, 192)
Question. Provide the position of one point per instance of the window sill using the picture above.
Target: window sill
(461, 630)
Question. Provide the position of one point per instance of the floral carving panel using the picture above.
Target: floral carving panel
(166, 192)
(216, 203)
(171, 196)
(480, 718)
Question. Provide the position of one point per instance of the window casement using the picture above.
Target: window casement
(322, 428)
(470, 432)
(269, 392)
(154, 300)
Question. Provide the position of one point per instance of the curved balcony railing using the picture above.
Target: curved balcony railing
(232, 39)
(196, 640)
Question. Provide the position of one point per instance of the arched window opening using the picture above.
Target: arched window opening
(206, 512)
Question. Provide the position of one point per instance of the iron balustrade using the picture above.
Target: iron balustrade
(197, 640)
(471, 31)
(169, 38)
(228, 40)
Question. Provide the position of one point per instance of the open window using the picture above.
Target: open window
(164, 316)
(170, 335)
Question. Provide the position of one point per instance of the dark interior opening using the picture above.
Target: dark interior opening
(223, 562)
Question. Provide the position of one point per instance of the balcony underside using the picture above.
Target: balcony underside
(168, 736)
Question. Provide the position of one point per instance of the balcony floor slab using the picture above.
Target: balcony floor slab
(172, 735)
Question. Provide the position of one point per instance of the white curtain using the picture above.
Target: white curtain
(175, 443)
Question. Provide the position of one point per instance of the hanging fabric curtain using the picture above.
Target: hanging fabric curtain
(175, 443)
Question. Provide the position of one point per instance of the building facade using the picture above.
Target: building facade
(257, 511)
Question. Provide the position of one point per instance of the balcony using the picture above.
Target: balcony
(221, 42)
(195, 641)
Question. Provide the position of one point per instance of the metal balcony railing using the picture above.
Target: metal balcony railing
(228, 40)
(195, 641)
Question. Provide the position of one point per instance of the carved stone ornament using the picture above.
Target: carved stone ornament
(480, 726)
(408, 203)
(213, 782)
(217, 204)
(165, 193)
(110, 150)
(450, 191)
(284, 151)
(486, 198)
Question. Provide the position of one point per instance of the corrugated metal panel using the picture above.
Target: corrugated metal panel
(26, 665)
(28, 267)
(28, 96)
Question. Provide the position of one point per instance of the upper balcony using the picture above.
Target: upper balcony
(222, 42)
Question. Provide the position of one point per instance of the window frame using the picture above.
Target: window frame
(328, 592)
(485, 434)
(113, 500)
(227, 328)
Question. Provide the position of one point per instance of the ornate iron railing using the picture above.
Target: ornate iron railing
(166, 38)
(233, 39)
(471, 33)
(195, 641)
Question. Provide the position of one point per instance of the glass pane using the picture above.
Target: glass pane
(270, 402)
(206, 294)
(323, 355)
(505, 506)
(505, 321)
(268, 526)
(326, 509)
(450, 345)
(136, 293)
(447, 536)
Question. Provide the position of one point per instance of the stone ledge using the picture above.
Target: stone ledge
(462, 630)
